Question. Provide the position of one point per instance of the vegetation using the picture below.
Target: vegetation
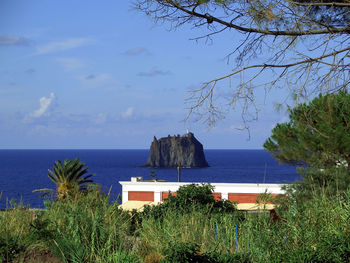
(317, 134)
(88, 227)
(68, 177)
(188, 199)
(317, 138)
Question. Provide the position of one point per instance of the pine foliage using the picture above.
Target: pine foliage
(317, 135)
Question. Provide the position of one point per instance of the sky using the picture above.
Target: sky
(101, 75)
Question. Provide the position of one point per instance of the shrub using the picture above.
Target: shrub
(188, 198)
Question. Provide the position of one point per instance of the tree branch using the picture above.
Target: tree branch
(341, 30)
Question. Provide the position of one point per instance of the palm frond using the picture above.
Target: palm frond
(69, 174)
(52, 176)
(45, 190)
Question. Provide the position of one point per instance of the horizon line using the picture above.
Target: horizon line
(118, 149)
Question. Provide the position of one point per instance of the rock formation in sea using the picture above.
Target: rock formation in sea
(173, 151)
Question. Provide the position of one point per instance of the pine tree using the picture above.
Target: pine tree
(317, 135)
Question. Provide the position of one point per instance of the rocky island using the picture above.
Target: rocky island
(173, 151)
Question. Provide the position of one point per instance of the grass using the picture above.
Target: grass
(88, 228)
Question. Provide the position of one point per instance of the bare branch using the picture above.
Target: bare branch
(302, 46)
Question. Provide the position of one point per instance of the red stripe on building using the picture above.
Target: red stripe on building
(141, 196)
(242, 197)
(245, 197)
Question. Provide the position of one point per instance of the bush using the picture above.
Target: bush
(188, 198)
(192, 194)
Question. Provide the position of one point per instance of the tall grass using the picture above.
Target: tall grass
(88, 228)
(14, 229)
(315, 231)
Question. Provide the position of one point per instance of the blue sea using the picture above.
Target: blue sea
(22, 171)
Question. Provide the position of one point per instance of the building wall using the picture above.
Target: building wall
(158, 191)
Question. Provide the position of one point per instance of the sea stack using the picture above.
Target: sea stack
(172, 151)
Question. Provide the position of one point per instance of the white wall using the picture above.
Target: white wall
(223, 188)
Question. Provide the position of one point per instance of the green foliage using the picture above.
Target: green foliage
(314, 230)
(14, 228)
(88, 228)
(40, 231)
(68, 177)
(330, 183)
(183, 252)
(188, 198)
(196, 228)
(318, 134)
(192, 194)
(121, 256)
(10, 247)
(80, 228)
(195, 195)
(191, 252)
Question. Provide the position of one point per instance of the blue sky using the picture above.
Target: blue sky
(99, 75)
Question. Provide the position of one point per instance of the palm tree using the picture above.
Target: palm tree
(68, 177)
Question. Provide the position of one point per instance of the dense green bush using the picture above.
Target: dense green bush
(188, 198)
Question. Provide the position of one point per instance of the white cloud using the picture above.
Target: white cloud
(71, 64)
(63, 45)
(128, 113)
(46, 105)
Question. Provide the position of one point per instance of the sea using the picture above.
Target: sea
(22, 171)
